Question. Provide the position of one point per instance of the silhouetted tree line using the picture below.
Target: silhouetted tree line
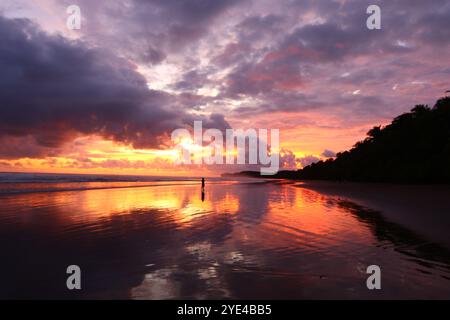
(414, 148)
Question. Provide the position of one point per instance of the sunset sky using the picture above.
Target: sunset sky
(105, 98)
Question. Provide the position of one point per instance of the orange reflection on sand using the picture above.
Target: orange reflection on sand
(193, 206)
(227, 204)
(182, 203)
(114, 201)
(310, 216)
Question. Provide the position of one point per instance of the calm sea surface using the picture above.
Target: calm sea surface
(244, 239)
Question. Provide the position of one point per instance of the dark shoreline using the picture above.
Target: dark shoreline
(424, 209)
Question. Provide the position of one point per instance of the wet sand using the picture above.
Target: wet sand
(424, 209)
(238, 240)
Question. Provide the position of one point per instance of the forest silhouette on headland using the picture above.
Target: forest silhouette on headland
(413, 148)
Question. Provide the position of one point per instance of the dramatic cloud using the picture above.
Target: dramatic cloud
(288, 159)
(53, 90)
(148, 31)
(138, 69)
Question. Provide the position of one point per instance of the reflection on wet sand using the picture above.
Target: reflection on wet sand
(421, 251)
(246, 240)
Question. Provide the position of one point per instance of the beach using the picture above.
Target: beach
(244, 239)
(424, 209)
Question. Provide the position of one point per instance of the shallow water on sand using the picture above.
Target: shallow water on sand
(244, 240)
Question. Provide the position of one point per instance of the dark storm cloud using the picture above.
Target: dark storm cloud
(184, 12)
(188, 20)
(149, 30)
(434, 28)
(324, 42)
(270, 49)
(251, 32)
(282, 101)
(255, 28)
(271, 73)
(260, 56)
(191, 80)
(292, 62)
(23, 147)
(53, 89)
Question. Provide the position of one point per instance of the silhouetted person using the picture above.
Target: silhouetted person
(203, 189)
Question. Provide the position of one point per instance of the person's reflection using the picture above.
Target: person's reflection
(203, 189)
